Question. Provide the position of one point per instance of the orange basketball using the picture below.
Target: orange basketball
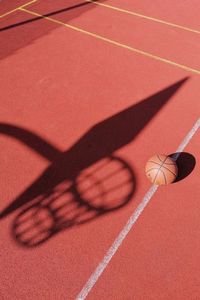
(161, 169)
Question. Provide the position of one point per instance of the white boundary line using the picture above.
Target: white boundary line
(187, 139)
(122, 235)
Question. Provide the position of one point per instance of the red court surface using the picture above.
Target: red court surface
(90, 91)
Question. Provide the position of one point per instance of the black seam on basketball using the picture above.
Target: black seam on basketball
(173, 163)
(156, 175)
(164, 161)
(170, 164)
(164, 176)
(169, 170)
(165, 164)
(159, 169)
(151, 170)
(154, 162)
(159, 158)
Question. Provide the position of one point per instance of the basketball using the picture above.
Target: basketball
(161, 169)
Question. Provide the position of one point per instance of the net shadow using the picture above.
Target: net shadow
(84, 182)
(93, 194)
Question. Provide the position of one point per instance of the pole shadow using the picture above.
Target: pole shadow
(84, 182)
(15, 36)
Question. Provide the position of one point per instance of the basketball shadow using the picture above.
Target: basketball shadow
(186, 163)
(84, 182)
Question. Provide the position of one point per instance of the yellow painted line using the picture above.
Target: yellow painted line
(144, 16)
(17, 8)
(102, 38)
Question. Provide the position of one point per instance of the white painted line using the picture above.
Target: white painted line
(187, 138)
(122, 235)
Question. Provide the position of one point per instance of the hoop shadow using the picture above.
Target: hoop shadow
(72, 203)
(186, 163)
(84, 182)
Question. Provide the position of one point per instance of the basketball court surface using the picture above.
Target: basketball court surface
(90, 90)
